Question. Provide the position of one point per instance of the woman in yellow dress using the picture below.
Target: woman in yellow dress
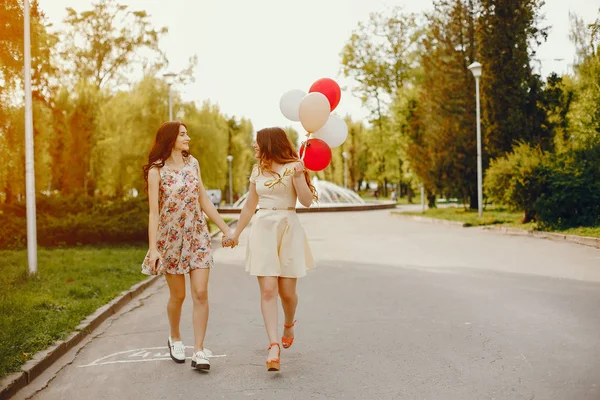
(277, 251)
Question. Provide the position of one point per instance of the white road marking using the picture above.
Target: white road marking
(144, 354)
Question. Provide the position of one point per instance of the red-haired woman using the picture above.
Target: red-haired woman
(178, 234)
(277, 250)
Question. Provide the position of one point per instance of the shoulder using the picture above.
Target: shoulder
(154, 172)
(254, 174)
(191, 160)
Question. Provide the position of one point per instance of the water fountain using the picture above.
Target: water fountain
(331, 198)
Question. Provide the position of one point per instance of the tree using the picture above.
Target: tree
(103, 43)
(584, 113)
(380, 56)
(11, 75)
(508, 36)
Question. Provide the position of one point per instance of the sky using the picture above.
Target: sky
(250, 52)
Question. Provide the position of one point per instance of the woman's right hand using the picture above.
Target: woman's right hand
(155, 261)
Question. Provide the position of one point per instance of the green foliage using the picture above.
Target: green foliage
(570, 190)
(442, 146)
(584, 113)
(101, 43)
(93, 129)
(508, 32)
(557, 190)
(380, 56)
(512, 180)
(76, 220)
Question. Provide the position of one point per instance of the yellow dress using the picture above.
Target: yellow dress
(277, 244)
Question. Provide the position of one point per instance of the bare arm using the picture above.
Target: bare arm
(305, 196)
(153, 218)
(153, 184)
(209, 208)
(247, 212)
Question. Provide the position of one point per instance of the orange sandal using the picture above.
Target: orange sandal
(287, 342)
(273, 363)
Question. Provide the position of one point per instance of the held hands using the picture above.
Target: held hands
(229, 239)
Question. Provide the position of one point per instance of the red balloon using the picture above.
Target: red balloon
(330, 89)
(318, 154)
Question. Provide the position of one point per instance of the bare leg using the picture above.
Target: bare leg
(289, 301)
(268, 305)
(199, 286)
(176, 284)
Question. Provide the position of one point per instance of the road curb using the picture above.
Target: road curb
(33, 368)
(582, 240)
(505, 230)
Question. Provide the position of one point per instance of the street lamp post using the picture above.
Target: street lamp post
(170, 79)
(476, 70)
(345, 156)
(29, 159)
(229, 160)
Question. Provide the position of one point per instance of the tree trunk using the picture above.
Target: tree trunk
(431, 200)
(528, 216)
(385, 187)
(473, 201)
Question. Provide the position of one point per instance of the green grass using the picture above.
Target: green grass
(491, 216)
(496, 216)
(71, 283)
(591, 231)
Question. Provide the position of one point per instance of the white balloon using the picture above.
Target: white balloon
(290, 103)
(334, 132)
(314, 111)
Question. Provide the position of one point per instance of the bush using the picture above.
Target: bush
(558, 191)
(72, 221)
(570, 190)
(512, 180)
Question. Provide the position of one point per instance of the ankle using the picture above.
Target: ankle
(175, 338)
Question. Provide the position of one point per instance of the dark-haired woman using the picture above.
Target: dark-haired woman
(178, 234)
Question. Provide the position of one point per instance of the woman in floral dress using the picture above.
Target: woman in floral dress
(179, 239)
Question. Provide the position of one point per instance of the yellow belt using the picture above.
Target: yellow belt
(278, 208)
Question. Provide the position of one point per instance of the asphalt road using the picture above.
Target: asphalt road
(396, 309)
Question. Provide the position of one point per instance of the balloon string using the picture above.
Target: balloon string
(305, 144)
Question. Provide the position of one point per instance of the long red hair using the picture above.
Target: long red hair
(275, 146)
(162, 147)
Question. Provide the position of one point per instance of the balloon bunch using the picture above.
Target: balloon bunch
(325, 130)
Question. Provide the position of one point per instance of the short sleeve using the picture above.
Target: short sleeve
(195, 164)
(254, 174)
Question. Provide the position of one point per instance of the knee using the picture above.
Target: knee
(269, 293)
(287, 296)
(177, 297)
(200, 296)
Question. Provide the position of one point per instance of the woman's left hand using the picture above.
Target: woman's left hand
(298, 168)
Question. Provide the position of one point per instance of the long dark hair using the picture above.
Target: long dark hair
(162, 147)
(275, 146)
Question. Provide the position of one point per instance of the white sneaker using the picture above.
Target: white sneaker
(200, 360)
(177, 351)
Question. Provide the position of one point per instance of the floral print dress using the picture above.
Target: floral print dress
(183, 239)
